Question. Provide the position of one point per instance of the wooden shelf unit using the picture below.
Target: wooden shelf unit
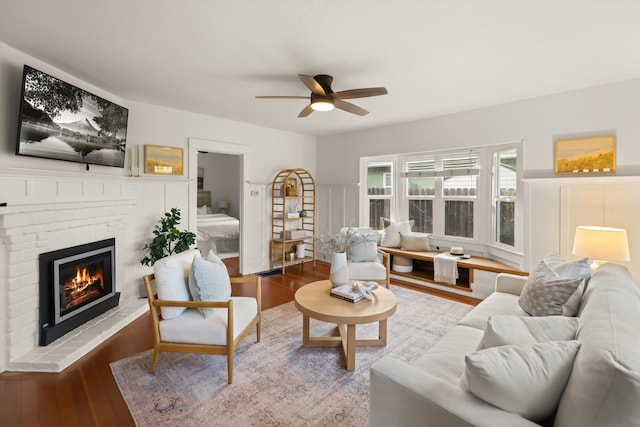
(423, 267)
(292, 190)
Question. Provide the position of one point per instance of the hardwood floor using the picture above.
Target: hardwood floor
(85, 394)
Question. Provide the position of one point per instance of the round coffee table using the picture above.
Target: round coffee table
(313, 301)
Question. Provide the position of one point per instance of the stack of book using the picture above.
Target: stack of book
(347, 293)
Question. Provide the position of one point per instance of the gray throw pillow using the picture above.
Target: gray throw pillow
(577, 268)
(209, 281)
(545, 293)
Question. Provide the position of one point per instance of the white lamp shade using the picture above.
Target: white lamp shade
(601, 243)
(223, 204)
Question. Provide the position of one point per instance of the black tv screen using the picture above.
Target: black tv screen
(63, 122)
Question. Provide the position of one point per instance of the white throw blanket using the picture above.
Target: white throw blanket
(445, 268)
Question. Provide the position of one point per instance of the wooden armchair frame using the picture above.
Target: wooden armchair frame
(228, 350)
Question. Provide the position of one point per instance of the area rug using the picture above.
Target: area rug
(277, 382)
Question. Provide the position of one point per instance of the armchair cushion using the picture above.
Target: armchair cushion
(209, 281)
(527, 379)
(171, 284)
(367, 271)
(392, 230)
(191, 328)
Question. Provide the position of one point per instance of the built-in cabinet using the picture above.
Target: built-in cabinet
(293, 218)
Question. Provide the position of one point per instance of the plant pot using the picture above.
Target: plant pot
(339, 274)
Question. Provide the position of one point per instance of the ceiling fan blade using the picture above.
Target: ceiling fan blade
(282, 97)
(306, 111)
(312, 84)
(360, 93)
(349, 107)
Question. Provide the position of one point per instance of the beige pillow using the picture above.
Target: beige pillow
(545, 293)
(392, 230)
(418, 242)
(526, 379)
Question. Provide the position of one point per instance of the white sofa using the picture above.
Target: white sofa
(603, 388)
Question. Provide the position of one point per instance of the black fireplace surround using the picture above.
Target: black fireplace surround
(77, 284)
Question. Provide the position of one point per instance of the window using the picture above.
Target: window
(420, 194)
(379, 191)
(505, 186)
(386, 180)
(459, 188)
(459, 196)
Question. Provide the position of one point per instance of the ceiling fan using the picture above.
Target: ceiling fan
(323, 98)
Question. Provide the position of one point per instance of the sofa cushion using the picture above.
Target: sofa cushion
(527, 379)
(445, 359)
(577, 268)
(545, 293)
(171, 280)
(209, 281)
(496, 303)
(392, 230)
(605, 382)
(418, 242)
(507, 330)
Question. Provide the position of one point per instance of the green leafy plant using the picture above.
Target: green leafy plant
(168, 239)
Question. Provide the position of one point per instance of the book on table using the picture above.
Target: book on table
(347, 293)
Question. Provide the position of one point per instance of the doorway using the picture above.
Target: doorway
(222, 189)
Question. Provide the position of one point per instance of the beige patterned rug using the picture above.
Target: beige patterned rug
(277, 382)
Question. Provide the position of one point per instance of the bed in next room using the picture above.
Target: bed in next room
(216, 231)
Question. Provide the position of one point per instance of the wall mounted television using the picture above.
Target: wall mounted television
(63, 122)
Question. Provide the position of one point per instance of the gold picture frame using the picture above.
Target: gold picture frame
(594, 155)
(163, 160)
(291, 187)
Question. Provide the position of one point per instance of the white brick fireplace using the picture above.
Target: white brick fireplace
(46, 214)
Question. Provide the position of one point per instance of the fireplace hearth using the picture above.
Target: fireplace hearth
(77, 284)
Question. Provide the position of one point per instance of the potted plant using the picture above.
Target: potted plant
(168, 239)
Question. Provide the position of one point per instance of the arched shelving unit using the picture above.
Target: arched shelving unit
(293, 218)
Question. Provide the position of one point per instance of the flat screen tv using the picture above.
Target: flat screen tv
(61, 121)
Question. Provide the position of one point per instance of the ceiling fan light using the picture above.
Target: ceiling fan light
(322, 104)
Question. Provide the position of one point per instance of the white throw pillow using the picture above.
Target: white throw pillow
(526, 379)
(545, 293)
(366, 250)
(508, 330)
(209, 281)
(392, 230)
(170, 274)
(418, 242)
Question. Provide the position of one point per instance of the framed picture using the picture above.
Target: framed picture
(594, 155)
(291, 187)
(163, 160)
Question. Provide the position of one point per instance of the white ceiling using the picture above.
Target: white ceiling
(434, 57)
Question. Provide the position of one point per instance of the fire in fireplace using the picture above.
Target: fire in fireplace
(76, 285)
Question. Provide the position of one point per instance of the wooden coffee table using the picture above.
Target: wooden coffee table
(313, 301)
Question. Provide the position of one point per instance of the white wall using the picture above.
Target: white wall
(604, 110)
(222, 178)
(268, 150)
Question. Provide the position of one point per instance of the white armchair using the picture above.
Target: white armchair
(181, 324)
(366, 262)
